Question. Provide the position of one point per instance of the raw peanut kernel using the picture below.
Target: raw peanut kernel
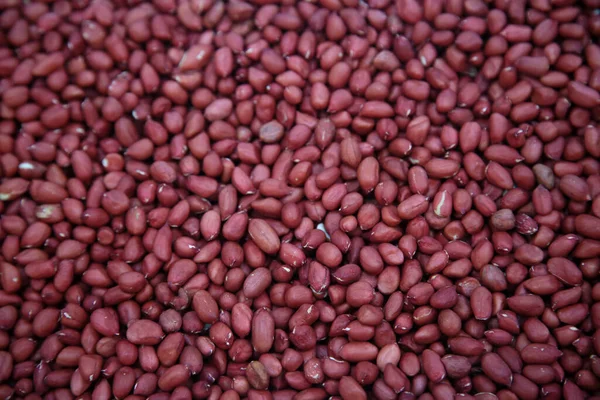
(299, 200)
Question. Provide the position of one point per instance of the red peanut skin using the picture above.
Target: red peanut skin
(305, 200)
